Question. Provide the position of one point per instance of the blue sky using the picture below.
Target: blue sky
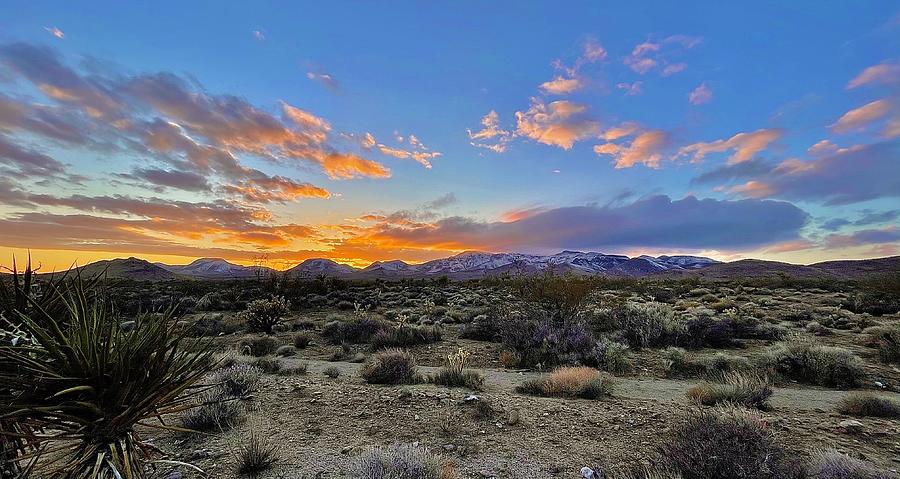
(596, 105)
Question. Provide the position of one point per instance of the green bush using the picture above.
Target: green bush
(868, 404)
(817, 364)
(644, 325)
(887, 340)
(86, 383)
(262, 315)
(259, 346)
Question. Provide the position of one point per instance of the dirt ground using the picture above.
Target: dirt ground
(321, 423)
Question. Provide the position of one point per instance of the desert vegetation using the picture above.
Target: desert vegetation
(662, 378)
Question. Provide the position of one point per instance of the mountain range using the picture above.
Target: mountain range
(471, 265)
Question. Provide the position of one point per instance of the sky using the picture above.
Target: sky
(362, 131)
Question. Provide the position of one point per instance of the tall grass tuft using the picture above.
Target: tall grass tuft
(86, 383)
(456, 374)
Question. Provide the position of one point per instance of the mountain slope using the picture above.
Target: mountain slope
(320, 266)
(127, 268)
(215, 268)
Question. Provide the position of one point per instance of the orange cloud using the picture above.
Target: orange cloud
(753, 189)
(744, 146)
(560, 85)
(490, 130)
(886, 73)
(560, 123)
(646, 148)
(861, 117)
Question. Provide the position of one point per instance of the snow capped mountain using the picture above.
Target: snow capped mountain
(387, 266)
(214, 268)
(319, 266)
(470, 264)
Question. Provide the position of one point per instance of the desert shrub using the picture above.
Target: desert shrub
(816, 328)
(868, 404)
(332, 372)
(236, 380)
(726, 442)
(215, 412)
(391, 366)
(454, 373)
(256, 454)
(356, 330)
(482, 328)
(887, 340)
(267, 365)
(302, 340)
(213, 326)
(262, 315)
(745, 389)
(545, 343)
(571, 382)
(721, 363)
(878, 295)
(610, 356)
(705, 330)
(647, 324)
(405, 335)
(835, 465)
(259, 346)
(560, 295)
(400, 462)
(817, 364)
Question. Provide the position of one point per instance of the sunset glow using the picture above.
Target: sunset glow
(355, 132)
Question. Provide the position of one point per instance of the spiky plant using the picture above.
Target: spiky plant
(85, 384)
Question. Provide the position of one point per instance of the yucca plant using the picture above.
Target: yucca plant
(80, 385)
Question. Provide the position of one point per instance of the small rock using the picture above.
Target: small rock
(851, 426)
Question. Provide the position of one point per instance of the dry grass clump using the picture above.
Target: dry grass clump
(868, 404)
(302, 340)
(236, 380)
(571, 382)
(834, 465)
(746, 389)
(392, 366)
(454, 374)
(332, 372)
(726, 442)
(400, 462)
(354, 331)
(405, 335)
(887, 340)
(259, 346)
(255, 455)
(817, 364)
(215, 412)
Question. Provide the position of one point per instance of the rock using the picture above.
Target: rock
(851, 426)
(174, 475)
